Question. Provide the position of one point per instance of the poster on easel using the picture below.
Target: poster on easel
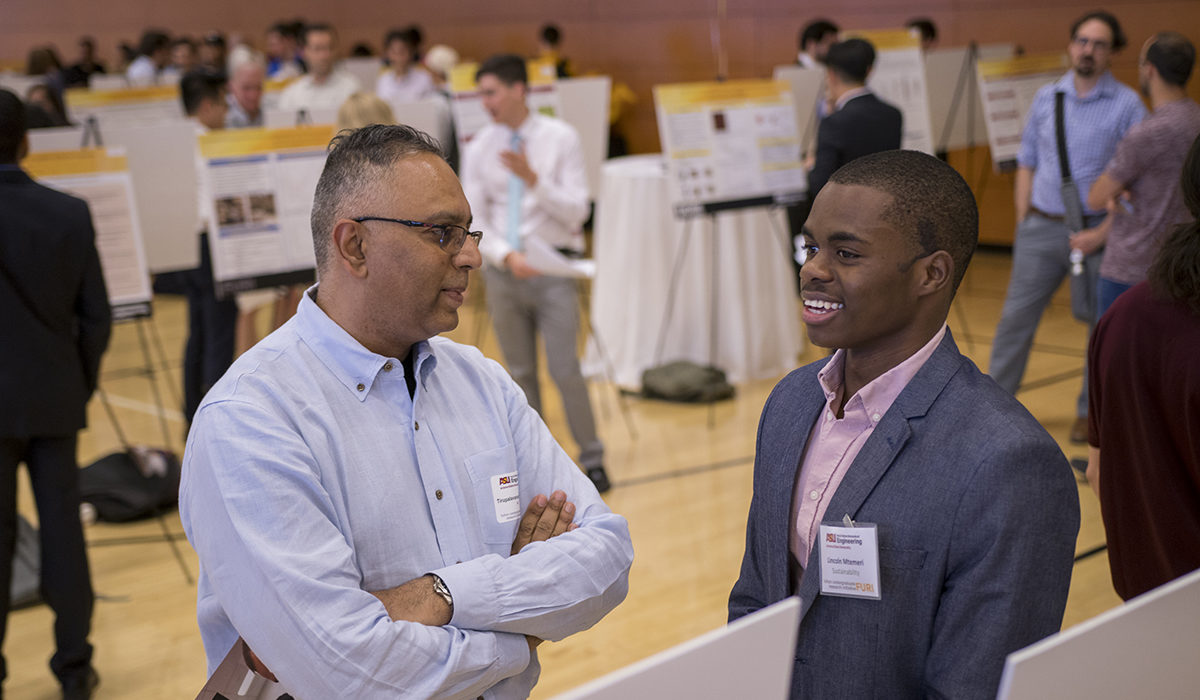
(467, 108)
(899, 79)
(261, 183)
(955, 107)
(1008, 87)
(100, 177)
(126, 106)
(729, 145)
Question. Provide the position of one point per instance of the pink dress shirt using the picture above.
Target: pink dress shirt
(835, 442)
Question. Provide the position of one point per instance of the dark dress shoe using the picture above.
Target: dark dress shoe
(81, 687)
(599, 478)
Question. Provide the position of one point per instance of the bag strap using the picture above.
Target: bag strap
(1060, 132)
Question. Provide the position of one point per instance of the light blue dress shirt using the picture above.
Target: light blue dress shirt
(1094, 125)
(310, 477)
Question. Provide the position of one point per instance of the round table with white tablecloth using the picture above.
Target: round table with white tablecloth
(638, 242)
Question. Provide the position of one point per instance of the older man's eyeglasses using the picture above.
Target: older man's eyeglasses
(449, 237)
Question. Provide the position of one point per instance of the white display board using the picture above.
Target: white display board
(262, 183)
(899, 79)
(807, 85)
(584, 103)
(126, 106)
(1008, 87)
(729, 145)
(365, 70)
(105, 81)
(101, 178)
(19, 84)
(950, 72)
(162, 165)
(752, 657)
(1146, 648)
(431, 115)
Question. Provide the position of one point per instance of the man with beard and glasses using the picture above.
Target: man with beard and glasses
(1097, 112)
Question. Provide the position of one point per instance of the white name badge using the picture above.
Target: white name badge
(507, 497)
(850, 560)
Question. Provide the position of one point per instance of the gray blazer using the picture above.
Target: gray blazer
(977, 512)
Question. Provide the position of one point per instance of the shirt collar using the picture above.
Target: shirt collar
(355, 367)
(878, 395)
(1104, 86)
(856, 92)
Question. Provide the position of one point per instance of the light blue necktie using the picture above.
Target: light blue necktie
(516, 191)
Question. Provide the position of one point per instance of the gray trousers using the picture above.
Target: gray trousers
(1041, 260)
(520, 309)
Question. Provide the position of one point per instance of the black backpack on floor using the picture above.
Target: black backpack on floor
(131, 485)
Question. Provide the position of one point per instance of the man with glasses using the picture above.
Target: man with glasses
(524, 176)
(354, 486)
(1097, 111)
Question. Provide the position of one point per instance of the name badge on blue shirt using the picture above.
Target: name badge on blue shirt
(507, 497)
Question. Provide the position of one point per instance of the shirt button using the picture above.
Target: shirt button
(416, 425)
(387, 367)
(361, 387)
(438, 493)
(813, 494)
(875, 417)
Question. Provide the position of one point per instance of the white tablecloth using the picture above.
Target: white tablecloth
(637, 241)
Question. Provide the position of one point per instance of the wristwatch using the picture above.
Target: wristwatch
(439, 587)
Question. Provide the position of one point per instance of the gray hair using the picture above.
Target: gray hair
(357, 158)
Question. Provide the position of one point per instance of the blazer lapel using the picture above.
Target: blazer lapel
(881, 449)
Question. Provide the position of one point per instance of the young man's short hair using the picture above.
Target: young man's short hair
(851, 60)
(1173, 56)
(508, 68)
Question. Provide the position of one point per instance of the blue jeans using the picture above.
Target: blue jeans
(1107, 292)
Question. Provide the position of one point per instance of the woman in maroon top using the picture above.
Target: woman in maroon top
(1145, 412)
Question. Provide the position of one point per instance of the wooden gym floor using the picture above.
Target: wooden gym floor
(683, 485)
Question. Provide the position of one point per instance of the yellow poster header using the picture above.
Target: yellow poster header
(82, 98)
(686, 97)
(86, 161)
(887, 39)
(540, 71)
(233, 143)
(1022, 65)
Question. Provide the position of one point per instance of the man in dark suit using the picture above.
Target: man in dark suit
(971, 503)
(56, 319)
(858, 122)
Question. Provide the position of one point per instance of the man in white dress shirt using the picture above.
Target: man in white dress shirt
(524, 177)
(323, 87)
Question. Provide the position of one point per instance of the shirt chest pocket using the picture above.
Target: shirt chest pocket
(496, 490)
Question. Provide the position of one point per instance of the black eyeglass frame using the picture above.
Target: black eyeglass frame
(450, 237)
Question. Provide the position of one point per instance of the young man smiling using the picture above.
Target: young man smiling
(972, 505)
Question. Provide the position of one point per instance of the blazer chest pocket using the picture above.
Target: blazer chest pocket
(902, 559)
(496, 489)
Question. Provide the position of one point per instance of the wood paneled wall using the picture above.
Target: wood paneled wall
(639, 42)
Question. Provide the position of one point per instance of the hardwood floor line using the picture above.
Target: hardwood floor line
(686, 471)
(1050, 381)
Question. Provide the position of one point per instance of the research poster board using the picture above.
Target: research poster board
(276, 118)
(162, 164)
(807, 85)
(584, 102)
(751, 657)
(100, 177)
(1146, 648)
(950, 74)
(729, 145)
(1007, 87)
(899, 79)
(365, 69)
(261, 183)
(125, 106)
